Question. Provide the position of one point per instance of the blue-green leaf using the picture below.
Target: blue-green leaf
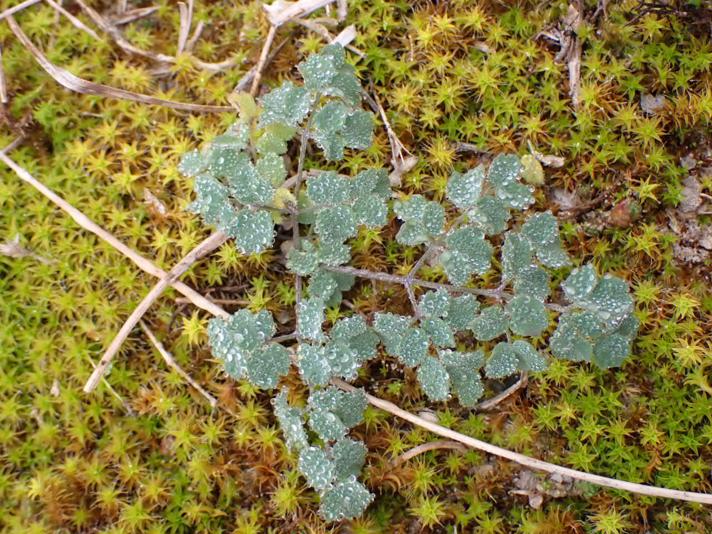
(527, 316)
(490, 323)
(316, 467)
(287, 104)
(349, 456)
(504, 170)
(463, 190)
(345, 500)
(290, 421)
(310, 316)
(503, 361)
(434, 379)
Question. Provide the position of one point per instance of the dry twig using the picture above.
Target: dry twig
(426, 447)
(124, 17)
(488, 404)
(82, 220)
(74, 20)
(186, 20)
(19, 7)
(205, 247)
(75, 83)
(264, 54)
(168, 357)
(3, 85)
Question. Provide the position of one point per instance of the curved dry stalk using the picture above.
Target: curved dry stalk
(205, 247)
(19, 7)
(123, 43)
(168, 357)
(71, 18)
(532, 463)
(425, 447)
(80, 85)
(488, 404)
(264, 54)
(82, 220)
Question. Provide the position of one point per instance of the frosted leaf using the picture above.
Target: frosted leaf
(553, 256)
(271, 168)
(517, 255)
(529, 357)
(313, 365)
(503, 361)
(580, 283)
(333, 253)
(434, 379)
(266, 367)
(610, 299)
(335, 224)
(371, 181)
(349, 456)
(439, 331)
(365, 344)
(287, 104)
(328, 188)
(462, 367)
(316, 467)
(611, 351)
(274, 138)
(504, 170)
(351, 406)
(212, 201)
(323, 286)
(574, 336)
(469, 252)
(527, 316)
(462, 312)
(192, 163)
(253, 231)
(435, 303)
(236, 137)
(345, 500)
(326, 424)
(541, 229)
(412, 346)
(490, 214)
(343, 359)
(463, 190)
(327, 73)
(516, 196)
(223, 161)
(222, 345)
(246, 184)
(371, 211)
(491, 323)
(335, 127)
(290, 421)
(628, 328)
(303, 262)
(391, 328)
(310, 316)
(534, 282)
(423, 219)
(349, 327)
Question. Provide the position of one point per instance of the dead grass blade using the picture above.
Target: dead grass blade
(80, 85)
(74, 20)
(19, 7)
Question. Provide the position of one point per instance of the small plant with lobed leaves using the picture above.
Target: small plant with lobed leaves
(458, 332)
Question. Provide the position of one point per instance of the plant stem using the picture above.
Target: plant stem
(295, 213)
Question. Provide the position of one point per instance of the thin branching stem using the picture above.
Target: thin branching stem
(295, 214)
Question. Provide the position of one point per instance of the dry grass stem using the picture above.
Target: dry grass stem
(426, 447)
(74, 20)
(125, 404)
(168, 357)
(19, 7)
(186, 20)
(264, 54)
(132, 15)
(281, 12)
(3, 84)
(82, 220)
(74, 83)
(205, 247)
(497, 399)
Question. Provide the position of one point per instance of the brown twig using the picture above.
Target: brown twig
(3, 84)
(264, 54)
(168, 357)
(527, 461)
(125, 404)
(75, 83)
(123, 43)
(19, 7)
(82, 220)
(488, 404)
(71, 18)
(205, 247)
(186, 21)
(426, 447)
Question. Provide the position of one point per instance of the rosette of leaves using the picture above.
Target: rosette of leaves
(454, 338)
